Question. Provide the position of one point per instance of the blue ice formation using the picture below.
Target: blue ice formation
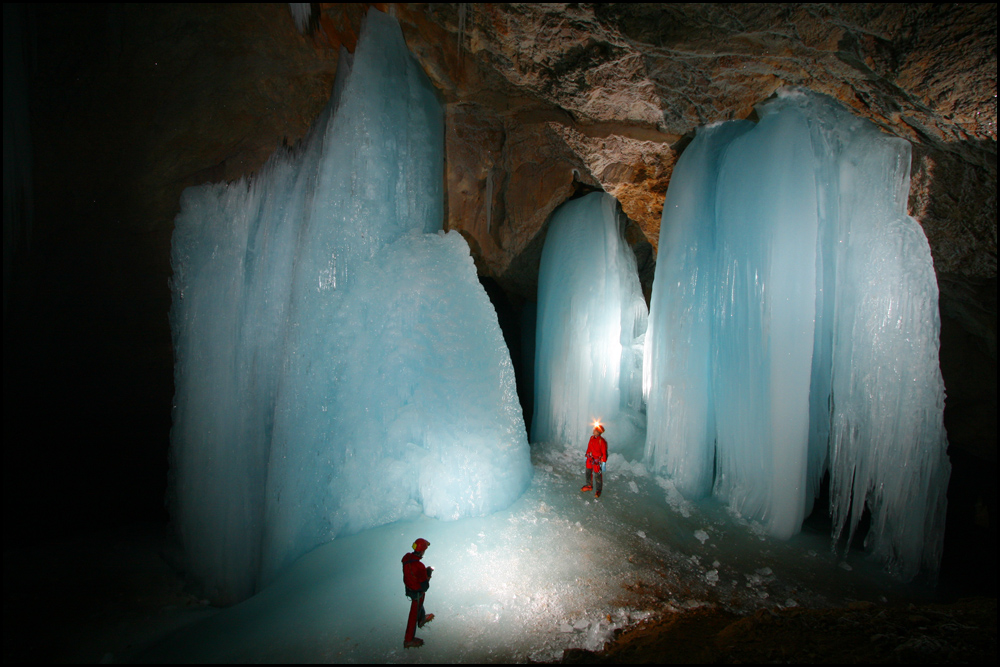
(590, 325)
(794, 331)
(338, 364)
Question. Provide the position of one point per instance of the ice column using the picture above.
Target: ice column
(680, 436)
(338, 365)
(787, 259)
(887, 443)
(590, 326)
(763, 319)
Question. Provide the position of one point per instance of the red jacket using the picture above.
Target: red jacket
(597, 452)
(415, 574)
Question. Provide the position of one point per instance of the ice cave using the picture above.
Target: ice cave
(400, 259)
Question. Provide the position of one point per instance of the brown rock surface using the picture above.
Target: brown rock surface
(607, 94)
(621, 84)
(863, 632)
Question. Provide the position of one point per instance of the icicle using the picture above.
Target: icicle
(677, 383)
(302, 13)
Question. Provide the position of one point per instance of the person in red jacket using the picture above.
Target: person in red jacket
(597, 456)
(416, 579)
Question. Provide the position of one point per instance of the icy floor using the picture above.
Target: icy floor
(556, 570)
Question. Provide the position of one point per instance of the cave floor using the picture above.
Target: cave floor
(558, 576)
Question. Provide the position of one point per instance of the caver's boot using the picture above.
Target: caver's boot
(416, 642)
(427, 619)
(586, 487)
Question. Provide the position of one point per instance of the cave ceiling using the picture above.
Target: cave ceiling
(545, 99)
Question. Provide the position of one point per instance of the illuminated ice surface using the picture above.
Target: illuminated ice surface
(591, 318)
(794, 330)
(338, 364)
(556, 570)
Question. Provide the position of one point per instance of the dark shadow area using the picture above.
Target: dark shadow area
(819, 521)
(953, 194)
(88, 375)
(511, 314)
(969, 366)
(529, 318)
(969, 563)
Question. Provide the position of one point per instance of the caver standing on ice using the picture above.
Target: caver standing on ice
(416, 579)
(597, 456)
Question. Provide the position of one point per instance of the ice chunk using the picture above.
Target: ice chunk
(423, 412)
(591, 317)
(338, 365)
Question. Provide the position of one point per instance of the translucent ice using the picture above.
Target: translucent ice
(794, 330)
(681, 427)
(338, 365)
(763, 319)
(887, 442)
(591, 320)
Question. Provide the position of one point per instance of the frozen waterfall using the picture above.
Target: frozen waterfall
(590, 323)
(794, 330)
(338, 366)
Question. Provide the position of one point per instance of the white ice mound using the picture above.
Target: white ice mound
(337, 363)
(794, 330)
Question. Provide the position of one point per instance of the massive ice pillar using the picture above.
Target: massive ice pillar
(590, 323)
(794, 330)
(887, 439)
(763, 320)
(680, 438)
(338, 365)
